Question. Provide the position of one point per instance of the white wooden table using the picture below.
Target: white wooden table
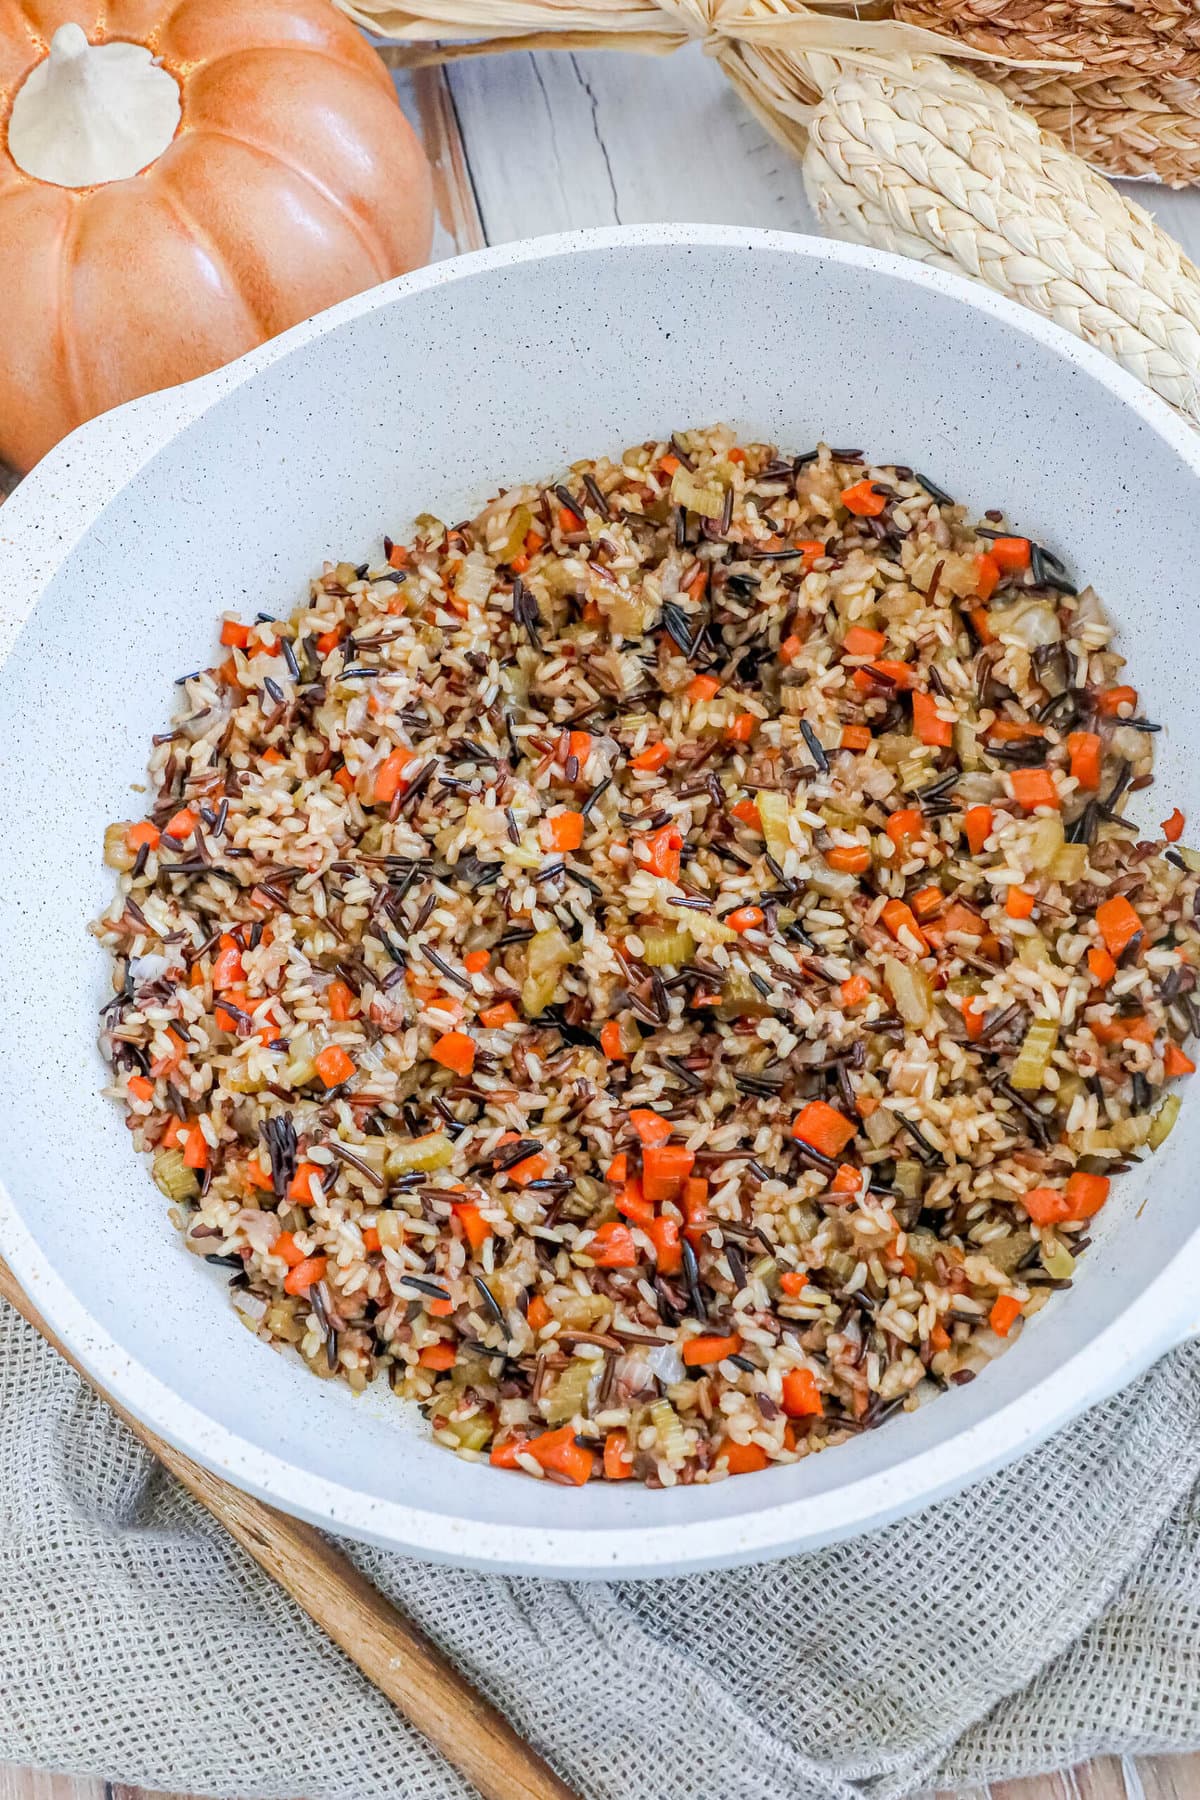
(522, 145)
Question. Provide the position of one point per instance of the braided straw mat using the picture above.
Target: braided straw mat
(1133, 108)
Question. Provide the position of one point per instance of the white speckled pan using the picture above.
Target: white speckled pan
(116, 556)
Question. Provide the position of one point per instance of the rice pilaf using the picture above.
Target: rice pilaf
(658, 968)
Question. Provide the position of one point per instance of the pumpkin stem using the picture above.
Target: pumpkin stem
(92, 113)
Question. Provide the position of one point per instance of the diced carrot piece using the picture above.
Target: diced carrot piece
(476, 1229)
(334, 1066)
(1119, 924)
(476, 961)
(860, 641)
(1101, 964)
(1013, 731)
(493, 1017)
(1175, 1062)
(929, 726)
(1113, 699)
(1019, 903)
(1004, 1314)
(854, 991)
(1034, 787)
(863, 501)
(398, 557)
(694, 1206)
(709, 1349)
(389, 776)
(1172, 828)
(801, 1398)
(344, 779)
(181, 825)
(746, 813)
(559, 1454)
(286, 1247)
(258, 1177)
(632, 1204)
(703, 687)
(616, 1468)
(669, 464)
(653, 757)
(736, 455)
(612, 1042)
(328, 641)
(144, 832)
(1083, 747)
(849, 859)
(744, 918)
(659, 852)
(790, 649)
(823, 1128)
(141, 1087)
(613, 1247)
(565, 830)
(1085, 1194)
(305, 1275)
(905, 824)
(741, 729)
(899, 918)
(793, 1282)
(618, 1168)
(342, 1003)
(195, 1148)
(856, 737)
(371, 1239)
(663, 1233)
(939, 1338)
(1135, 1028)
(1011, 554)
(455, 1051)
(1046, 1205)
(438, 1356)
(847, 1180)
(504, 1456)
(299, 1190)
(537, 1313)
(742, 1459)
(530, 1168)
(665, 1168)
(813, 548)
(650, 1127)
(439, 1309)
(927, 902)
(974, 1017)
(981, 621)
(897, 675)
(233, 635)
(987, 575)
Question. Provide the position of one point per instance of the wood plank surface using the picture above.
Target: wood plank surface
(522, 145)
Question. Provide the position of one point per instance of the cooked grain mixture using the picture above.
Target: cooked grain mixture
(659, 968)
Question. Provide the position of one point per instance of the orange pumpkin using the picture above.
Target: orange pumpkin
(165, 208)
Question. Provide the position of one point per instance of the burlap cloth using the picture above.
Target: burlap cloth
(1050, 1614)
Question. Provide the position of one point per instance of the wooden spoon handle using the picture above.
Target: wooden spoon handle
(389, 1649)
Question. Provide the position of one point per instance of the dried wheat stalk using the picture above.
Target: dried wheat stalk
(900, 150)
(1127, 127)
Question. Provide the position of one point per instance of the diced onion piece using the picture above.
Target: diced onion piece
(548, 955)
(1162, 1120)
(911, 991)
(774, 814)
(709, 931)
(172, 1176)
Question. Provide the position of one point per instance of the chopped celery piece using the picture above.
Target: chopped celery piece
(569, 1394)
(172, 1176)
(424, 1154)
(1033, 1058)
(662, 947)
(705, 498)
